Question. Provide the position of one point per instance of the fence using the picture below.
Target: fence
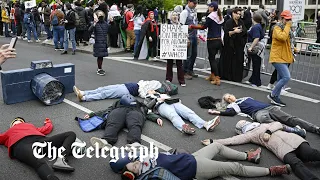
(306, 30)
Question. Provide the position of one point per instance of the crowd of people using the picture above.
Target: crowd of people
(232, 34)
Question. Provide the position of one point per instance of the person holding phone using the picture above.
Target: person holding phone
(6, 52)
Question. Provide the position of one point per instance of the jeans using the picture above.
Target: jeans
(274, 76)
(274, 113)
(31, 27)
(174, 112)
(23, 151)
(137, 34)
(192, 55)
(123, 117)
(72, 34)
(213, 47)
(24, 30)
(283, 77)
(296, 159)
(106, 92)
(208, 168)
(6, 29)
(256, 65)
(48, 31)
(13, 28)
(58, 35)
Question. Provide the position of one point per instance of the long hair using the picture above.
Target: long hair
(222, 106)
(219, 14)
(138, 11)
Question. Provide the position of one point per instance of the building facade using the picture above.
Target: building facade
(310, 7)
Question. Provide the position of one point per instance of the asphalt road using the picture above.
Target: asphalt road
(63, 114)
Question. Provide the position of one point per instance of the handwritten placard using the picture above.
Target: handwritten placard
(173, 41)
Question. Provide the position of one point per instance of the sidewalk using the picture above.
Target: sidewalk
(86, 49)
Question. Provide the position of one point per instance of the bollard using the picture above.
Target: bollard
(48, 89)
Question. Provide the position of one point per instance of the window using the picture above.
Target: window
(243, 2)
(257, 2)
(313, 2)
(229, 2)
(271, 2)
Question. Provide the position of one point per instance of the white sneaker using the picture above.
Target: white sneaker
(25, 39)
(19, 37)
(183, 85)
(210, 125)
(38, 40)
(102, 143)
(29, 41)
(270, 86)
(283, 92)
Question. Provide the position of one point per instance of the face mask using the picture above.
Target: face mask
(101, 18)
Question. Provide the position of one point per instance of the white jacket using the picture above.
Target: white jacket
(145, 86)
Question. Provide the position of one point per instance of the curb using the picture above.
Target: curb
(82, 50)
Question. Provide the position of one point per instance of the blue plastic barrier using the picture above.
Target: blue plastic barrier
(16, 84)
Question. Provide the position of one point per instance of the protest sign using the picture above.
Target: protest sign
(173, 41)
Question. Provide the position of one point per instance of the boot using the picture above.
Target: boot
(299, 131)
(254, 156)
(279, 170)
(211, 77)
(216, 81)
(61, 164)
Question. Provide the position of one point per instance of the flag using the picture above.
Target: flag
(30, 4)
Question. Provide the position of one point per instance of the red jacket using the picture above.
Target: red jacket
(19, 131)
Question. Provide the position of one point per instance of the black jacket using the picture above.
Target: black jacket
(139, 107)
(71, 18)
(100, 47)
(83, 16)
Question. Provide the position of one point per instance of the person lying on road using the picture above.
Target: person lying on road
(118, 90)
(126, 112)
(288, 147)
(174, 111)
(198, 165)
(20, 137)
(262, 112)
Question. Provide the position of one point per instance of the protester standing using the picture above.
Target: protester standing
(180, 73)
(45, 13)
(138, 20)
(100, 47)
(70, 29)
(82, 28)
(57, 21)
(5, 18)
(114, 28)
(130, 29)
(318, 28)
(189, 17)
(235, 38)
(281, 54)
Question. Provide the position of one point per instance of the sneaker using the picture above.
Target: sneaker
(213, 123)
(73, 52)
(254, 156)
(25, 39)
(56, 49)
(279, 170)
(188, 130)
(61, 164)
(102, 143)
(270, 86)
(276, 101)
(299, 131)
(29, 41)
(187, 76)
(19, 37)
(101, 72)
(38, 40)
(78, 93)
(183, 85)
(64, 52)
(194, 75)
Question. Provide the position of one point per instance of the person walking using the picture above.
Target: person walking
(100, 47)
(30, 24)
(282, 41)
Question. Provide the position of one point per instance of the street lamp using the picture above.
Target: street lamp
(271, 5)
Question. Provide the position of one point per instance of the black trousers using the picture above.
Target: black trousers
(113, 40)
(296, 159)
(81, 36)
(152, 49)
(213, 48)
(22, 150)
(274, 76)
(124, 117)
(256, 66)
(1, 28)
(318, 37)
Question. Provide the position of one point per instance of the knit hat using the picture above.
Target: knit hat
(244, 126)
(17, 119)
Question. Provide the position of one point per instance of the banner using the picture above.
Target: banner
(173, 41)
(296, 7)
(30, 4)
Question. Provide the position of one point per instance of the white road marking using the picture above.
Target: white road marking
(143, 137)
(138, 62)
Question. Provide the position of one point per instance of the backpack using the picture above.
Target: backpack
(168, 88)
(208, 102)
(27, 19)
(55, 20)
(158, 173)
(77, 22)
(124, 24)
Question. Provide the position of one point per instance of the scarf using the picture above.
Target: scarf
(152, 22)
(214, 16)
(113, 11)
(291, 36)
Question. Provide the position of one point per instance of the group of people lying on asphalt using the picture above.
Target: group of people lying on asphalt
(281, 133)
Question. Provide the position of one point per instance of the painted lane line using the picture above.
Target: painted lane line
(292, 95)
(143, 137)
